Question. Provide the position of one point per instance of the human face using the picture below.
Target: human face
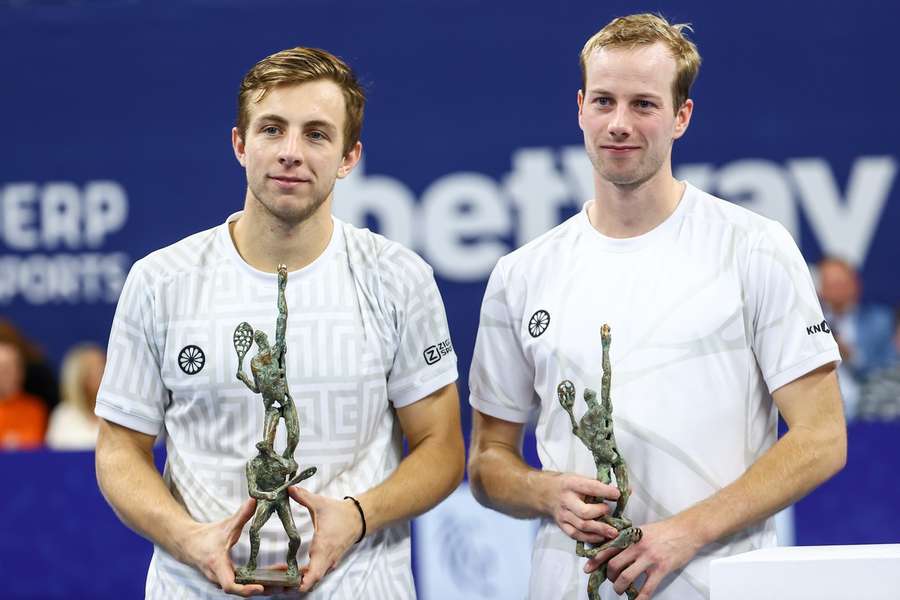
(292, 151)
(839, 286)
(627, 115)
(11, 370)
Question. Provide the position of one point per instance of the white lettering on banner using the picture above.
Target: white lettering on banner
(867, 192)
(458, 212)
(63, 278)
(37, 219)
(537, 190)
(68, 216)
(106, 210)
(18, 216)
(387, 200)
(464, 221)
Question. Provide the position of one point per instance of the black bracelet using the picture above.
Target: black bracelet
(362, 516)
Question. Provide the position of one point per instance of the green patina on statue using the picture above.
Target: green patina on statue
(269, 474)
(595, 430)
(268, 371)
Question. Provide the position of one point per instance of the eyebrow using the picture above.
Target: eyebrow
(640, 95)
(273, 118)
(321, 124)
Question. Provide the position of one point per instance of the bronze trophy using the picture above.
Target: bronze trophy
(269, 474)
(595, 430)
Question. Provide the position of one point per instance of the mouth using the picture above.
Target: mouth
(619, 149)
(288, 181)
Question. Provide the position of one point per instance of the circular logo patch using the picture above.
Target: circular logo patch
(191, 359)
(538, 323)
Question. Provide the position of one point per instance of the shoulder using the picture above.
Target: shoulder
(749, 230)
(543, 255)
(717, 212)
(393, 263)
(189, 255)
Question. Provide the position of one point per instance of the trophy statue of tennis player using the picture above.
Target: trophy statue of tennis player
(595, 430)
(269, 474)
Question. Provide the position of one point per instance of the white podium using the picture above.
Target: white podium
(809, 573)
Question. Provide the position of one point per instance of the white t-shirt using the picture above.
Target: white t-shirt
(710, 312)
(70, 428)
(366, 333)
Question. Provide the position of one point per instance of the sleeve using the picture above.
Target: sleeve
(132, 393)
(790, 334)
(501, 380)
(424, 360)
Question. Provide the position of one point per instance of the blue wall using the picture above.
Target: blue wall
(116, 142)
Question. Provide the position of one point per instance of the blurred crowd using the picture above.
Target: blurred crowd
(868, 336)
(39, 409)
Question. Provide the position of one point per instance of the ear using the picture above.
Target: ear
(683, 118)
(350, 160)
(237, 144)
(580, 108)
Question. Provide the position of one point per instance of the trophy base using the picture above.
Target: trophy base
(267, 577)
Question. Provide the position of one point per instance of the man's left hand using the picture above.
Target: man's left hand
(337, 526)
(666, 546)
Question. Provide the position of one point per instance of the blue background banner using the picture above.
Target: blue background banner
(117, 142)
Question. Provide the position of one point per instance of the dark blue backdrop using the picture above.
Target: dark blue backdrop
(116, 142)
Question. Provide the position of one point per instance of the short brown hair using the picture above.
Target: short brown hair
(642, 30)
(300, 65)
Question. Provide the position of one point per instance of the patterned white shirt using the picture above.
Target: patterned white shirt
(366, 333)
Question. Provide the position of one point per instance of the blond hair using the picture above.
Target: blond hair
(642, 30)
(300, 65)
(72, 373)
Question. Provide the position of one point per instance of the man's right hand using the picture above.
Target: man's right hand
(566, 496)
(206, 547)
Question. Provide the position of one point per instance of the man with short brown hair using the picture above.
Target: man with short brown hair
(363, 310)
(709, 307)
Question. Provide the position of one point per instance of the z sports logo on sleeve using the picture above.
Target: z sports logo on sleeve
(191, 359)
(820, 328)
(435, 353)
(538, 323)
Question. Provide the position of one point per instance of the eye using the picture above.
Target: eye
(317, 135)
(271, 130)
(602, 100)
(645, 104)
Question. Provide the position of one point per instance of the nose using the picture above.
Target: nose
(620, 123)
(289, 154)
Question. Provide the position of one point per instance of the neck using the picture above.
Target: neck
(628, 211)
(264, 240)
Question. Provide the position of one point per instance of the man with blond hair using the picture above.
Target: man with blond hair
(364, 313)
(710, 308)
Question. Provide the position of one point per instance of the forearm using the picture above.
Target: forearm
(800, 461)
(501, 480)
(135, 490)
(427, 475)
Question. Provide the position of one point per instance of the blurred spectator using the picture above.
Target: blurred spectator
(23, 417)
(880, 399)
(863, 332)
(73, 425)
(40, 379)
